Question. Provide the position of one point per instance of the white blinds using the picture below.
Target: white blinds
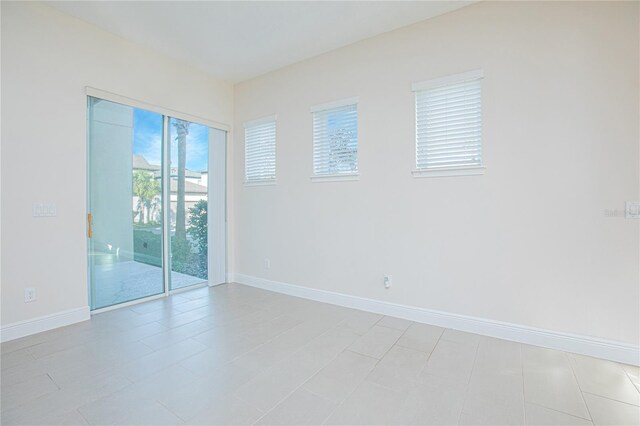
(449, 125)
(260, 150)
(335, 140)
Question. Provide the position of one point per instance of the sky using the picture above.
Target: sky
(147, 140)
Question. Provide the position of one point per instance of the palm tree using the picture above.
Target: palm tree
(154, 211)
(146, 188)
(182, 128)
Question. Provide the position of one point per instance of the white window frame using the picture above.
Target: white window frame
(334, 177)
(445, 171)
(254, 123)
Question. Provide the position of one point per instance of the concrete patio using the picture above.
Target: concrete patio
(129, 280)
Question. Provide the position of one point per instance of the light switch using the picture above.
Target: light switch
(45, 210)
(632, 209)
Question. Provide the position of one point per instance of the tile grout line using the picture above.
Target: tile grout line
(524, 398)
(466, 390)
(349, 394)
(365, 377)
(632, 382)
(430, 353)
(239, 398)
(628, 375)
(359, 354)
(386, 352)
(82, 415)
(171, 411)
(313, 375)
(53, 381)
(609, 398)
(374, 366)
(393, 328)
(323, 398)
(269, 341)
(558, 411)
(575, 377)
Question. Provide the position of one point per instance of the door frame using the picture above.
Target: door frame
(167, 114)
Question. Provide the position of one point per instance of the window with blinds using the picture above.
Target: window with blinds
(260, 150)
(335, 138)
(449, 123)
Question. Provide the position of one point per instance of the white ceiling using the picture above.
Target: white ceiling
(240, 40)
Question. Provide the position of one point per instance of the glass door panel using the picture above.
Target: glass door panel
(153, 179)
(189, 188)
(125, 203)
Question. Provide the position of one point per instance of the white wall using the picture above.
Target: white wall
(528, 242)
(48, 58)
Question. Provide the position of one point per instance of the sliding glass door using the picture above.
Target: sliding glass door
(148, 202)
(189, 159)
(125, 200)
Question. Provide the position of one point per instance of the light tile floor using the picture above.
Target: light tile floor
(238, 355)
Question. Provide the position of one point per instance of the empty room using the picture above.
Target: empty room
(320, 213)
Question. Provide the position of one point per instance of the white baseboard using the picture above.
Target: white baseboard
(585, 345)
(44, 323)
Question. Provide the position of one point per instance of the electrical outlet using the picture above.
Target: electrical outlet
(29, 294)
(387, 281)
(267, 263)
